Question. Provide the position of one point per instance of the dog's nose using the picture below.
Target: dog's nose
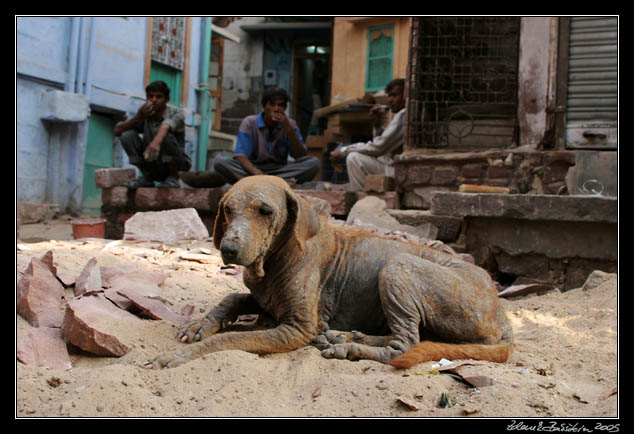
(229, 251)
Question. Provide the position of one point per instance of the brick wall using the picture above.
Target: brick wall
(417, 175)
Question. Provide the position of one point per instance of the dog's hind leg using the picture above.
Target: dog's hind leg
(450, 304)
(403, 313)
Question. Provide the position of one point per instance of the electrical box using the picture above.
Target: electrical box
(270, 77)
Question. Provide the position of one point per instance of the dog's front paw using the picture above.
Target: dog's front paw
(197, 330)
(168, 360)
(348, 351)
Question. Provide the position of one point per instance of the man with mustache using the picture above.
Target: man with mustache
(376, 157)
(265, 141)
(154, 139)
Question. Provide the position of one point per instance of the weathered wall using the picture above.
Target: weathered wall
(102, 58)
(350, 43)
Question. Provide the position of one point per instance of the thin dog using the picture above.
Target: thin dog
(353, 294)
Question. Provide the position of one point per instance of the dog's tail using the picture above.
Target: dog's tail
(428, 350)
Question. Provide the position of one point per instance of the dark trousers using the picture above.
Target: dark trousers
(303, 169)
(172, 156)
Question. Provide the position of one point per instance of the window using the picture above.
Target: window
(380, 57)
(168, 53)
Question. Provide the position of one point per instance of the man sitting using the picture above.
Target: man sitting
(376, 157)
(159, 153)
(264, 143)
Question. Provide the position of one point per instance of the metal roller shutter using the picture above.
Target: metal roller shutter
(592, 107)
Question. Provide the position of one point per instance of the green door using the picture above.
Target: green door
(99, 154)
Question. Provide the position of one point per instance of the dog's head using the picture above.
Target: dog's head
(257, 215)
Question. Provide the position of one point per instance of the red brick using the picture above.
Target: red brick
(444, 176)
(115, 196)
(110, 177)
(379, 183)
(203, 199)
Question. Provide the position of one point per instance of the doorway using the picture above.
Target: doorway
(99, 155)
(311, 66)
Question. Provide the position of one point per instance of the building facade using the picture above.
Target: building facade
(77, 76)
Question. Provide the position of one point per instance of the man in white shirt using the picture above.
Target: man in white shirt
(376, 157)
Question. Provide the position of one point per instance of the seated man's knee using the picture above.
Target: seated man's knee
(221, 161)
(128, 135)
(353, 159)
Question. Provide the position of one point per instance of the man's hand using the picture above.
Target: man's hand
(376, 114)
(152, 151)
(146, 110)
(336, 157)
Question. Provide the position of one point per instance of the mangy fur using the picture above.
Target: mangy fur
(351, 293)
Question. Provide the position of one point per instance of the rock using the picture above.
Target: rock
(114, 276)
(143, 282)
(373, 211)
(596, 278)
(530, 288)
(321, 206)
(153, 308)
(47, 260)
(35, 212)
(39, 296)
(44, 346)
(340, 201)
(165, 226)
(448, 227)
(94, 324)
(89, 279)
(119, 300)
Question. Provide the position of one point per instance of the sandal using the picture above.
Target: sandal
(139, 183)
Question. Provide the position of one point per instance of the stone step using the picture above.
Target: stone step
(597, 209)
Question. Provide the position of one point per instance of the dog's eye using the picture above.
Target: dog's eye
(227, 210)
(265, 211)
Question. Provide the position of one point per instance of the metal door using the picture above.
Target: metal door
(592, 102)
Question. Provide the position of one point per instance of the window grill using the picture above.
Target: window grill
(463, 82)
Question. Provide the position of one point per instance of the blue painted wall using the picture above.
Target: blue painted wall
(102, 58)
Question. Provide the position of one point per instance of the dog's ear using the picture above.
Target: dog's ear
(302, 219)
(219, 224)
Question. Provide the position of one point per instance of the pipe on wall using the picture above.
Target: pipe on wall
(69, 86)
(204, 100)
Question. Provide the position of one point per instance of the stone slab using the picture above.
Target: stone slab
(166, 226)
(44, 346)
(94, 324)
(596, 209)
(39, 296)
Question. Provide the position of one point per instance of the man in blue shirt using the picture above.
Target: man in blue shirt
(264, 143)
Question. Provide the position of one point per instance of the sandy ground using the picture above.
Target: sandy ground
(565, 362)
